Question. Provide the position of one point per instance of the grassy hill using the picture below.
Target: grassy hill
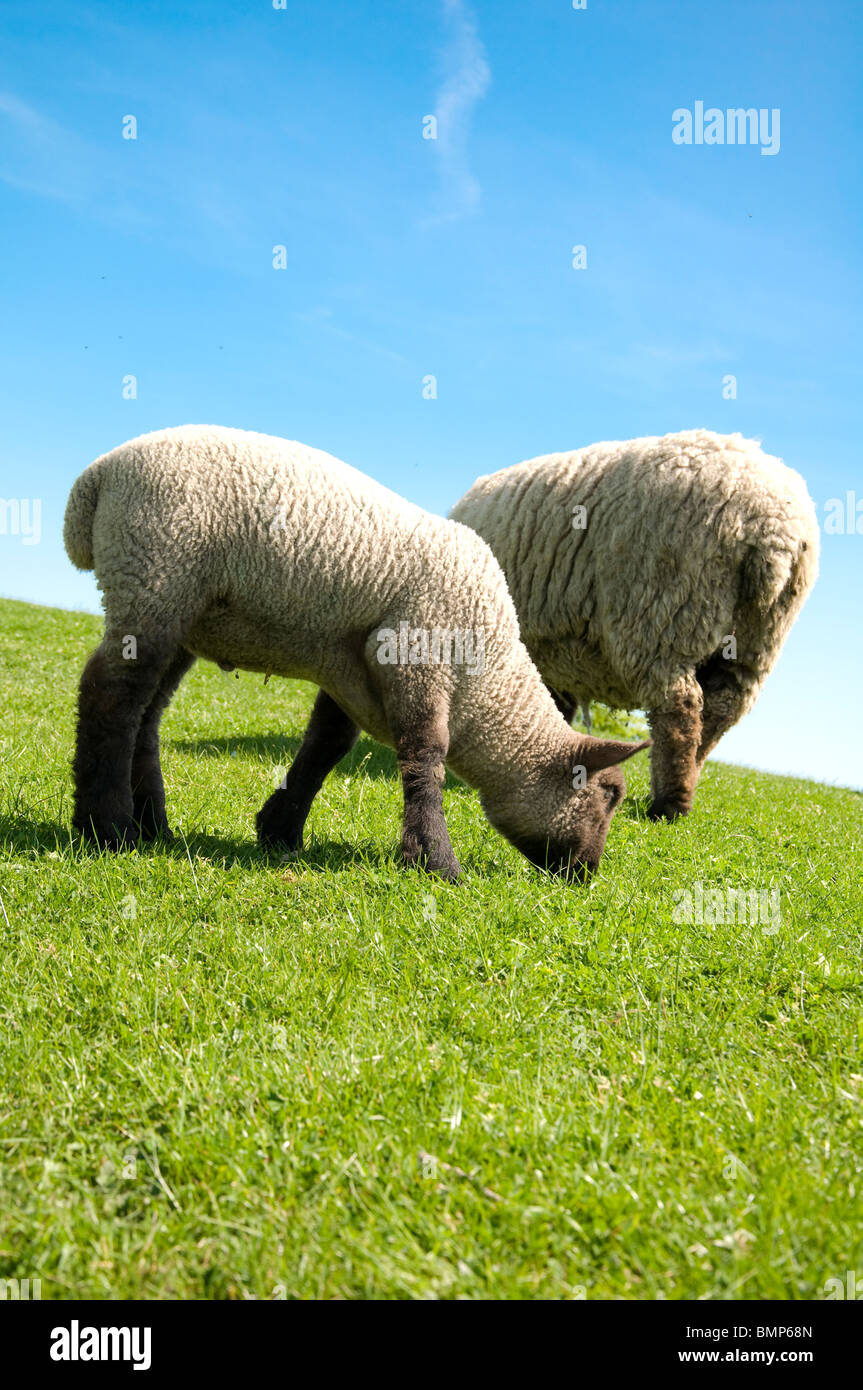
(225, 1076)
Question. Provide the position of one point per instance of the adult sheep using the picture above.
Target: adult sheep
(258, 553)
(660, 574)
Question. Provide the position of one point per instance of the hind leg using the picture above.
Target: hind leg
(148, 789)
(117, 685)
(330, 735)
(676, 728)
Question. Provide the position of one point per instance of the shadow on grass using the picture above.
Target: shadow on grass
(317, 856)
(48, 836)
(368, 757)
(52, 837)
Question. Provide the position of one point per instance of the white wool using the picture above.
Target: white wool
(264, 554)
(688, 539)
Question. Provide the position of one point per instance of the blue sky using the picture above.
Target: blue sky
(408, 257)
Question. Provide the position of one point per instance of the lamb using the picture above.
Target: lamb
(661, 574)
(255, 552)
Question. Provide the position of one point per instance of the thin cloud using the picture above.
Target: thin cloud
(39, 155)
(321, 318)
(466, 79)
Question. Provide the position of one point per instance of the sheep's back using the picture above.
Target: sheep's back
(646, 580)
(253, 518)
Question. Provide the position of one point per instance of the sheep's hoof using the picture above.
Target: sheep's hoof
(282, 837)
(122, 835)
(149, 833)
(665, 808)
(444, 866)
(149, 829)
(450, 873)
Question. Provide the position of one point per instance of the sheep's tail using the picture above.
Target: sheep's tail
(78, 521)
(779, 577)
(776, 580)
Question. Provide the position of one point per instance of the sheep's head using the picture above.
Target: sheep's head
(560, 819)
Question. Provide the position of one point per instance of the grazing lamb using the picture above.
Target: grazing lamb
(263, 554)
(661, 574)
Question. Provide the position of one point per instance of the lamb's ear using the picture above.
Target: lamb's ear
(597, 753)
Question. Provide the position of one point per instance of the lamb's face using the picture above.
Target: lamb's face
(577, 827)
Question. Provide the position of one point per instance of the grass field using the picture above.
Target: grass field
(226, 1076)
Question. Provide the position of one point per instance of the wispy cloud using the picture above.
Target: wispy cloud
(321, 319)
(465, 81)
(112, 182)
(39, 155)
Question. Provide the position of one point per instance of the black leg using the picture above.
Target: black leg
(421, 753)
(148, 789)
(330, 735)
(113, 695)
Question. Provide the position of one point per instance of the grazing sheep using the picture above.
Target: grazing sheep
(255, 552)
(661, 574)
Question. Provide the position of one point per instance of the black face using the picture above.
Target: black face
(578, 858)
(556, 859)
(574, 862)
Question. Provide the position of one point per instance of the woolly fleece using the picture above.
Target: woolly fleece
(260, 553)
(689, 538)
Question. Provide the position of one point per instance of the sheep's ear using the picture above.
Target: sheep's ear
(597, 753)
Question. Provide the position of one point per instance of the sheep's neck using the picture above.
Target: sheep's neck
(507, 734)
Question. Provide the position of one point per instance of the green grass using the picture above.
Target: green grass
(225, 1076)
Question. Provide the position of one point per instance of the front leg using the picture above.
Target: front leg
(330, 735)
(421, 750)
(676, 733)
